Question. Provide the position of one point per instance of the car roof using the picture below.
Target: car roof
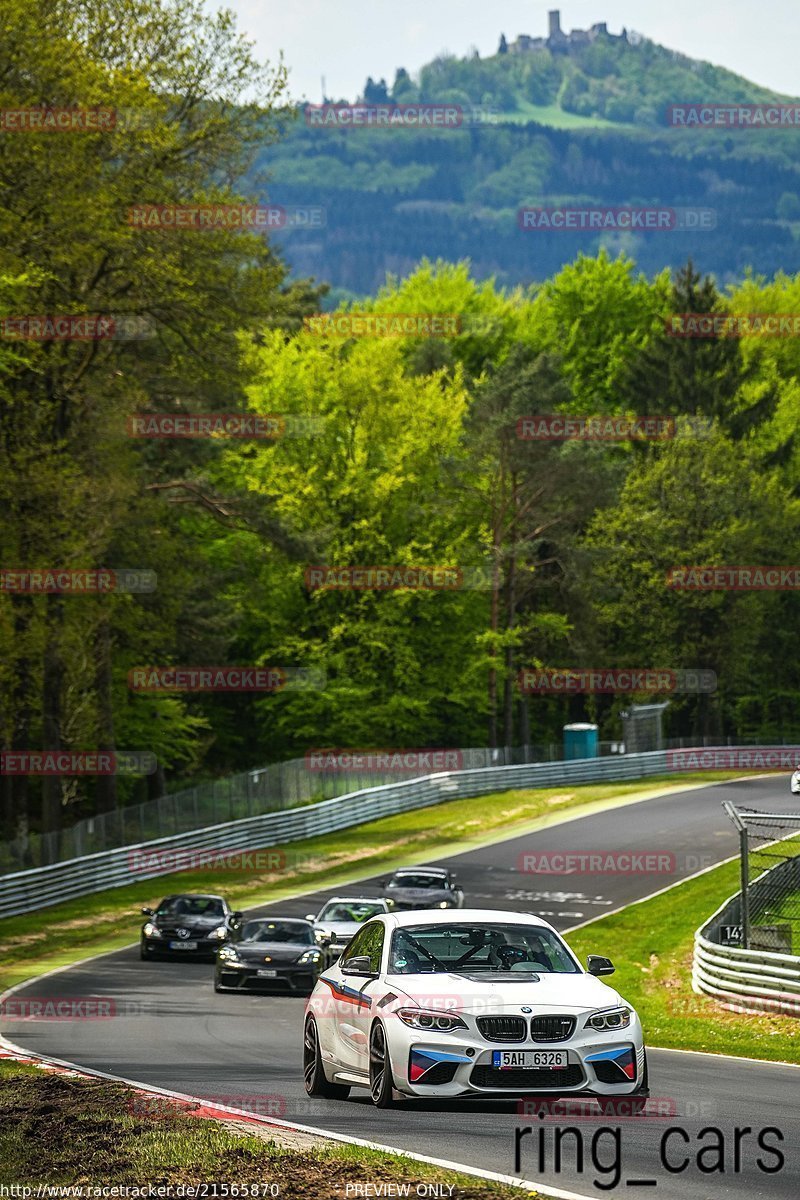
(193, 896)
(461, 916)
(422, 871)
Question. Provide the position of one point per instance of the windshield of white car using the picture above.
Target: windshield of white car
(277, 931)
(418, 881)
(472, 949)
(355, 912)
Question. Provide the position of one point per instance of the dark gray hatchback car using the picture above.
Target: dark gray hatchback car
(423, 887)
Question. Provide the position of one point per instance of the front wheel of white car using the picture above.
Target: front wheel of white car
(313, 1072)
(381, 1084)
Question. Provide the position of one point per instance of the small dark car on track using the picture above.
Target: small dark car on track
(272, 954)
(188, 926)
(423, 887)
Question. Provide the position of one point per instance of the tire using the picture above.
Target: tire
(381, 1083)
(313, 1071)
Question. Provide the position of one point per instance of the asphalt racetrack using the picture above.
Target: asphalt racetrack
(171, 1030)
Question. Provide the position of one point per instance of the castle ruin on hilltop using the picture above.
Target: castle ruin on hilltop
(564, 42)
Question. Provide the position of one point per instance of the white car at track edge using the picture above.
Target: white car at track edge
(470, 1002)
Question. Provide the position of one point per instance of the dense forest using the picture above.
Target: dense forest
(389, 451)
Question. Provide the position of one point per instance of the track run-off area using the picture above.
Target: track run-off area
(171, 1030)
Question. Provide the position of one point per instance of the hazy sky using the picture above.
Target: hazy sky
(346, 40)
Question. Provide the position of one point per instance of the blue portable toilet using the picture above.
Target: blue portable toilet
(580, 741)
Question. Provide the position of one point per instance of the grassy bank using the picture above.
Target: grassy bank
(56, 936)
(651, 946)
(60, 1130)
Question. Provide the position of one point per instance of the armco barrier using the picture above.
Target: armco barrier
(27, 891)
(747, 980)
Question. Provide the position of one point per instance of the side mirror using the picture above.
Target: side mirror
(360, 965)
(236, 918)
(311, 916)
(148, 912)
(325, 939)
(597, 965)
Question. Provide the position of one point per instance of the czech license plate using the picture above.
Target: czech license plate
(183, 945)
(267, 972)
(507, 1060)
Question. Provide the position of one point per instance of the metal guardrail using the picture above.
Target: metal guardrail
(251, 793)
(26, 891)
(749, 981)
(278, 786)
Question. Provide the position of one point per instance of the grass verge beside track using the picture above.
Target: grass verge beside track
(55, 937)
(55, 1129)
(651, 945)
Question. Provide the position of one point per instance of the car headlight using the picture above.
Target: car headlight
(228, 955)
(152, 931)
(618, 1017)
(220, 932)
(443, 904)
(421, 1018)
(310, 956)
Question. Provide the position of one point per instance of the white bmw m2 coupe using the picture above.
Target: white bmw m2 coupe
(453, 1004)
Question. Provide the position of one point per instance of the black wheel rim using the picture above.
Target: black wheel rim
(377, 1061)
(309, 1053)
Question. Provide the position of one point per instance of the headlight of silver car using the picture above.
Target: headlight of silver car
(220, 932)
(152, 931)
(420, 1018)
(618, 1017)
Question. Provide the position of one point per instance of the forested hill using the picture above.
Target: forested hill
(583, 126)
